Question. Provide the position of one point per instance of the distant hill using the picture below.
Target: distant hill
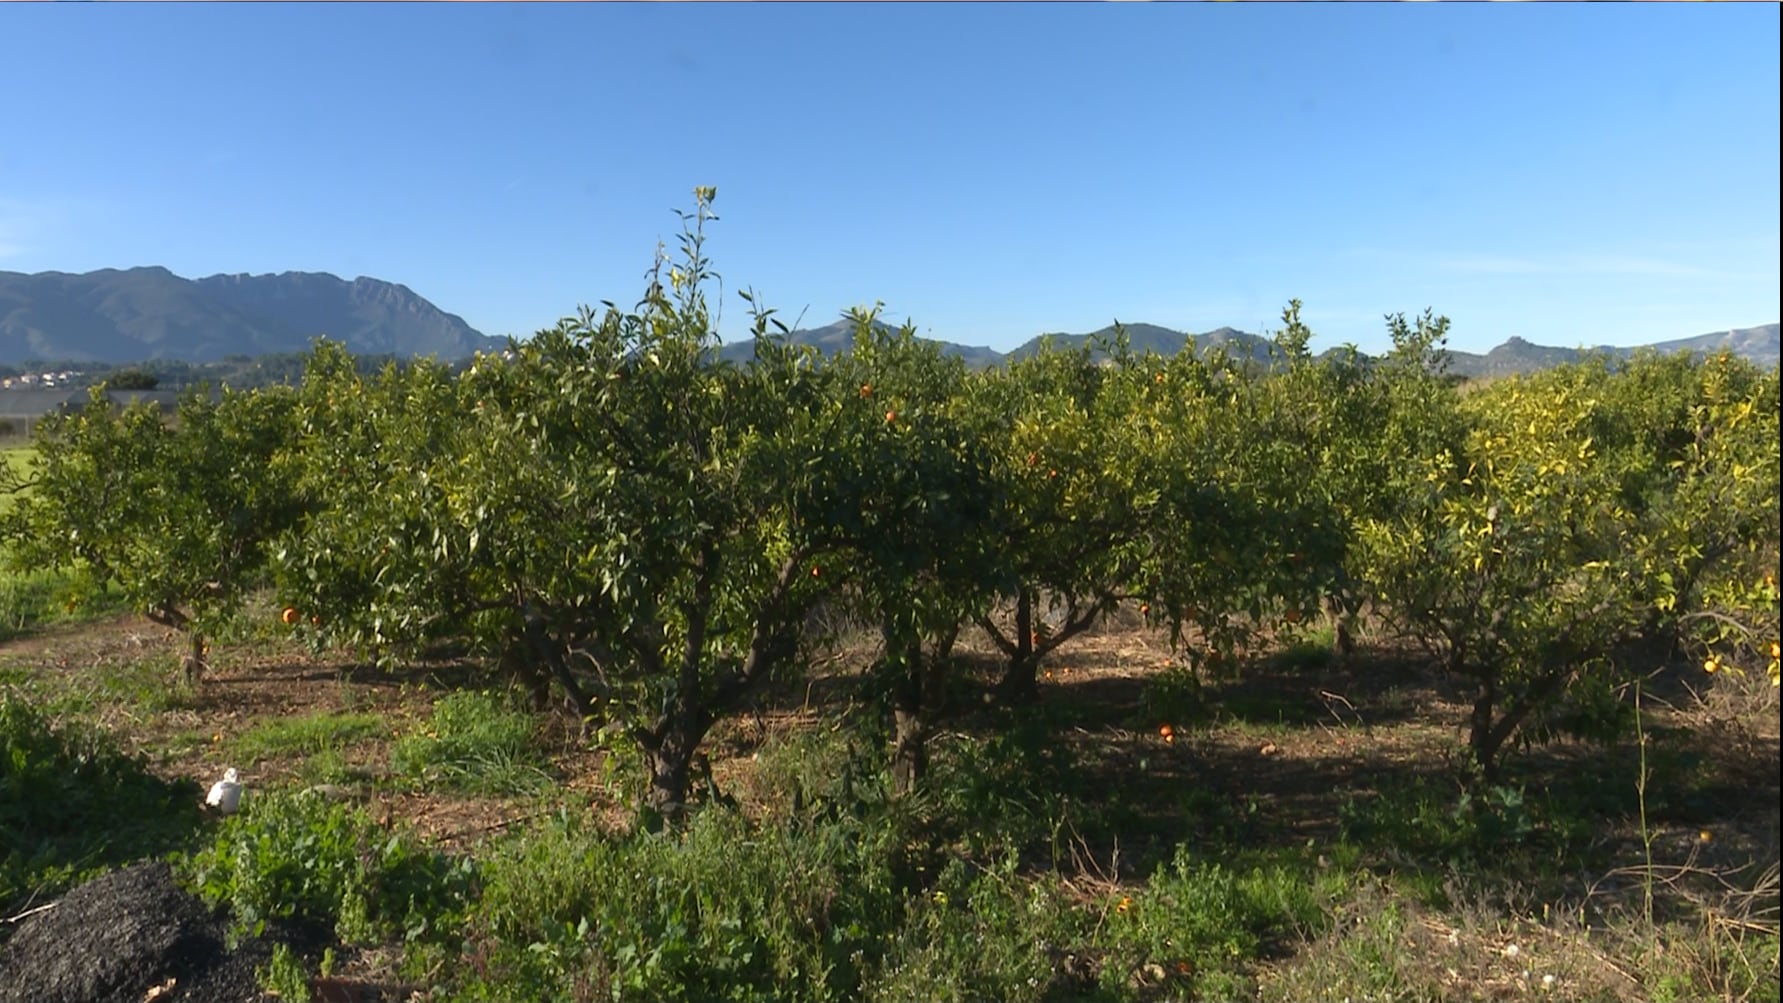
(836, 338)
(1758, 344)
(143, 314)
(1143, 338)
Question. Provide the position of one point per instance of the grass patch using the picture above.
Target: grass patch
(17, 460)
(475, 743)
(150, 686)
(32, 600)
(1201, 927)
(1309, 650)
(310, 735)
(72, 804)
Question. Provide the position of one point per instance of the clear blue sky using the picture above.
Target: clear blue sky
(1569, 174)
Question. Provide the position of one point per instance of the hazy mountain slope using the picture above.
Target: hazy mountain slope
(142, 314)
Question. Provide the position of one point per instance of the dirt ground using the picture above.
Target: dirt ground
(1282, 746)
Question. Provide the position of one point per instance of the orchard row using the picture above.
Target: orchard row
(614, 515)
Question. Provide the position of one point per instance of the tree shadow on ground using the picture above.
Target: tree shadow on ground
(1361, 760)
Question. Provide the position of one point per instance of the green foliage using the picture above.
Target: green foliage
(1579, 510)
(1427, 823)
(1172, 696)
(987, 934)
(476, 742)
(176, 513)
(1054, 427)
(284, 976)
(72, 803)
(610, 507)
(15, 471)
(720, 911)
(131, 379)
(142, 687)
(301, 857)
(32, 600)
(310, 735)
(1198, 926)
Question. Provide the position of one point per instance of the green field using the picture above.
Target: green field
(15, 458)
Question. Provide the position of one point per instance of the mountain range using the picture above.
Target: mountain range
(145, 314)
(1758, 344)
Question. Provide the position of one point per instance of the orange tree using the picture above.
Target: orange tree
(612, 503)
(177, 513)
(1532, 551)
(375, 566)
(1699, 469)
(1228, 532)
(1053, 429)
(1333, 449)
(906, 494)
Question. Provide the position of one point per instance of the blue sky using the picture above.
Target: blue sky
(1604, 173)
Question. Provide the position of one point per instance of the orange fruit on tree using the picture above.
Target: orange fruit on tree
(290, 616)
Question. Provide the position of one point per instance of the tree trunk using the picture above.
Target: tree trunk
(1338, 610)
(194, 663)
(670, 761)
(550, 652)
(910, 753)
(1481, 738)
(524, 672)
(1020, 683)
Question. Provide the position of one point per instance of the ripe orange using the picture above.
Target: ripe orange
(315, 621)
(866, 389)
(1145, 609)
(891, 416)
(290, 616)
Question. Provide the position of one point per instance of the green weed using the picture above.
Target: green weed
(301, 857)
(284, 976)
(72, 803)
(474, 742)
(1204, 926)
(310, 735)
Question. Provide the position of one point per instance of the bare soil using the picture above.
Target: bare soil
(1281, 746)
